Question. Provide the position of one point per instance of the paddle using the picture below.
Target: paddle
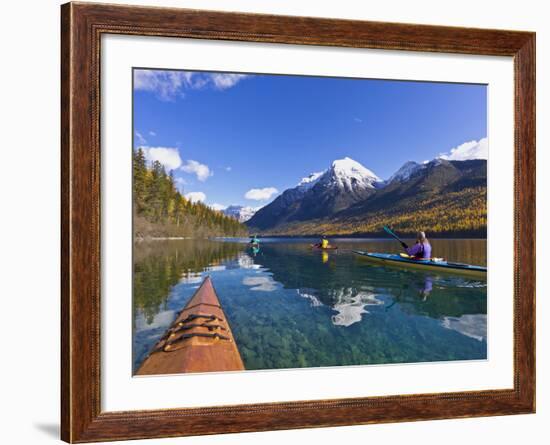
(389, 232)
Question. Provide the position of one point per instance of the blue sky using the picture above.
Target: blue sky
(225, 135)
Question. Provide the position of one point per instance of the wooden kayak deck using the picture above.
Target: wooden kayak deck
(199, 340)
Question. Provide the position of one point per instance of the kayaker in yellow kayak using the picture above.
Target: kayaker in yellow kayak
(323, 244)
(422, 250)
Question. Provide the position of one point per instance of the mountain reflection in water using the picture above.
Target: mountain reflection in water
(290, 306)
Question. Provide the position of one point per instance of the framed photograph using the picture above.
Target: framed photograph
(275, 222)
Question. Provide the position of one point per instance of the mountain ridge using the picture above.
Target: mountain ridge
(319, 195)
(240, 213)
(442, 196)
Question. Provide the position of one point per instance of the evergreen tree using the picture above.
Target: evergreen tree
(167, 211)
(140, 179)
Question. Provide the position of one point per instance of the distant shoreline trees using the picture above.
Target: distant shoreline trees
(161, 210)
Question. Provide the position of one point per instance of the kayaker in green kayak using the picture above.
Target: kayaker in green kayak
(422, 250)
(254, 240)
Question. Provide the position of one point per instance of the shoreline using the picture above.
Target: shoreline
(441, 235)
(305, 238)
(369, 237)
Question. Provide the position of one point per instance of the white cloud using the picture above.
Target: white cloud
(359, 121)
(223, 81)
(217, 206)
(152, 133)
(140, 139)
(261, 194)
(201, 170)
(167, 156)
(169, 85)
(196, 196)
(166, 85)
(468, 150)
(228, 168)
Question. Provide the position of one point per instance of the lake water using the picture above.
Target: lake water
(292, 307)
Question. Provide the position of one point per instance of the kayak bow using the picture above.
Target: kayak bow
(393, 260)
(199, 340)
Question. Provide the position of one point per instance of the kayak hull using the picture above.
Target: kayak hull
(391, 260)
(199, 340)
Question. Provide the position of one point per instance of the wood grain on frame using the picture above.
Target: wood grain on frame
(81, 28)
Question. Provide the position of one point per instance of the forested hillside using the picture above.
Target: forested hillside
(459, 213)
(443, 198)
(160, 210)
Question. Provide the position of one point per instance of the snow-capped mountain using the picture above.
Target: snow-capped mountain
(310, 180)
(343, 173)
(468, 151)
(349, 175)
(240, 213)
(347, 195)
(405, 172)
(320, 194)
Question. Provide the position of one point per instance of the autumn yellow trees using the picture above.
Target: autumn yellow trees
(460, 213)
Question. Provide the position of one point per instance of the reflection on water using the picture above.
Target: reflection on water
(472, 325)
(350, 305)
(290, 306)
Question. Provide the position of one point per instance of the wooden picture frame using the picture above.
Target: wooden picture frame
(82, 26)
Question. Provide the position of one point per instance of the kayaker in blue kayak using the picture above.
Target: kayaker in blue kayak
(422, 250)
(254, 240)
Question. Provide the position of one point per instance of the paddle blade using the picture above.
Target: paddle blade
(390, 232)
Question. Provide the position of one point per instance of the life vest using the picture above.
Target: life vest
(324, 243)
(421, 255)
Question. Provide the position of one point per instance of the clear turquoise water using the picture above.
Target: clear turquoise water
(291, 307)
